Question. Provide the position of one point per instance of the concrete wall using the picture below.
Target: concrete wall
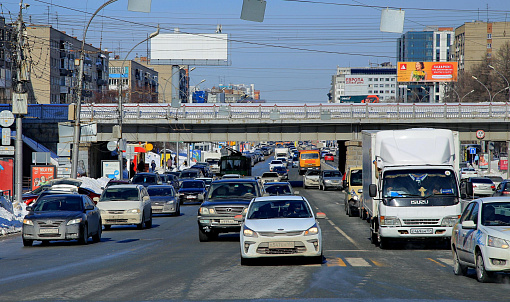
(354, 153)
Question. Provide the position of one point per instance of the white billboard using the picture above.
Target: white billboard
(190, 49)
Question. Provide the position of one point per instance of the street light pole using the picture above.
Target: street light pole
(77, 129)
(417, 95)
(120, 156)
(466, 95)
(476, 79)
(507, 83)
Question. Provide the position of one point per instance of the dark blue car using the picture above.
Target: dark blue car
(282, 172)
(192, 191)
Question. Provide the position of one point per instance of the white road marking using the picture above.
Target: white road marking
(348, 238)
(448, 261)
(357, 262)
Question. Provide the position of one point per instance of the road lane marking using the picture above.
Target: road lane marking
(348, 238)
(335, 262)
(448, 261)
(357, 262)
(377, 263)
(331, 222)
(436, 262)
(346, 251)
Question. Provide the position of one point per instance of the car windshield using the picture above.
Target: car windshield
(496, 214)
(279, 209)
(113, 194)
(309, 155)
(192, 184)
(312, 173)
(59, 203)
(143, 179)
(356, 178)
(189, 174)
(160, 191)
(232, 190)
(213, 161)
(278, 190)
(332, 174)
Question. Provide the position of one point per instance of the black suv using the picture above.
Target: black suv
(225, 199)
(146, 179)
(503, 188)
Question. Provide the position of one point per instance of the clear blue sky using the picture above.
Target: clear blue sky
(300, 42)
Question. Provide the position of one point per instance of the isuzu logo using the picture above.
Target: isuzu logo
(418, 202)
(228, 209)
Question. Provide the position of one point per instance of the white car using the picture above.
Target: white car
(280, 226)
(468, 172)
(125, 205)
(283, 160)
(275, 163)
(269, 177)
(481, 238)
(311, 178)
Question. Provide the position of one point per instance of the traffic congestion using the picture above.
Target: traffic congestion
(311, 216)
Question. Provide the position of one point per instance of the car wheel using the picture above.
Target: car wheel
(458, 269)
(384, 243)
(27, 242)
(202, 236)
(148, 223)
(305, 186)
(140, 225)
(318, 259)
(97, 237)
(481, 274)
(107, 227)
(84, 237)
(324, 188)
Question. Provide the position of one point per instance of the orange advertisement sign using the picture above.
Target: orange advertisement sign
(427, 71)
(42, 175)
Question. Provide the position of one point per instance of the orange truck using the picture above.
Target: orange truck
(309, 159)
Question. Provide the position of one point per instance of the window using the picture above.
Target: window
(370, 91)
(489, 45)
(370, 79)
(387, 79)
(438, 40)
(448, 39)
(381, 79)
(387, 85)
(376, 79)
(489, 36)
(393, 91)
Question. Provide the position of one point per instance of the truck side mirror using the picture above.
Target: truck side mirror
(469, 188)
(372, 190)
(344, 183)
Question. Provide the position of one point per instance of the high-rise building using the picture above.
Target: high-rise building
(139, 82)
(54, 67)
(364, 81)
(5, 62)
(475, 41)
(430, 45)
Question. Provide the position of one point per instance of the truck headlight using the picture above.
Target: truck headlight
(206, 211)
(135, 211)
(247, 232)
(497, 242)
(449, 221)
(314, 230)
(74, 221)
(354, 197)
(28, 222)
(390, 220)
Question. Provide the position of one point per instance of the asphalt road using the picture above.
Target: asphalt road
(168, 262)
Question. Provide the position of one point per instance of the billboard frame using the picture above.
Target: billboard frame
(46, 175)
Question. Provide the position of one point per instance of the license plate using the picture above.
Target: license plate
(191, 197)
(157, 207)
(421, 231)
(228, 221)
(48, 231)
(281, 245)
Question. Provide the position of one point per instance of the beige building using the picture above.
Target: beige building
(54, 72)
(6, 67)
(476, 40)
(139, 82)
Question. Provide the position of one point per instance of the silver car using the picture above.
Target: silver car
(482, 186)
(330, 179)
(311, 178)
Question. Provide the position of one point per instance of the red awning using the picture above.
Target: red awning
(140, 150)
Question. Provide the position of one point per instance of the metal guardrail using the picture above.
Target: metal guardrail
(99, 112)
(38, 113)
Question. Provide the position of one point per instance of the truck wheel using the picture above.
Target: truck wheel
(373, 237)
(384, 243)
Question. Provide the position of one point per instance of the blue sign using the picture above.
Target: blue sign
(472, 150)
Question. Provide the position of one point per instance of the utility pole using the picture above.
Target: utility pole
(19, 101)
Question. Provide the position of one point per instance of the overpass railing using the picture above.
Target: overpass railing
(293, 112)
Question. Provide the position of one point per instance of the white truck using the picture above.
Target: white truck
(213, 159)
(281, 152)
(411, 184)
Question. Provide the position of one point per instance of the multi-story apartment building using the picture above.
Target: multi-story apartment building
(5, 62)
(430, 45)
(475, 41)
(380, 81)
(139, 82)
(54, 67)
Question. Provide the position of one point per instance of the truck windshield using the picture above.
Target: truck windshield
(419, 183)
(309, 155)
(356, 178)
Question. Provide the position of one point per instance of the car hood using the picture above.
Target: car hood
(119, 205)
(226, 202)
(191, 190)
(502, 232)
(280, 224)
(162, 198)
(54, 215)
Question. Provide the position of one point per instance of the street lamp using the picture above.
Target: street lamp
(493, 97)
(466, 95)
(120, 156)
(476, 79)
(417, 95)
(427, 93)
(170, 78)
(507, 83)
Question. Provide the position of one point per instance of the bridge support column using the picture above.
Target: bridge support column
(175, 86)
(353, 154)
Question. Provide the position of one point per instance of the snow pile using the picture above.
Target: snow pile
(93, 184)
(11, 221)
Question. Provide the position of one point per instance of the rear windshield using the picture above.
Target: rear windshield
(482, 180)
(141, 179)
(189, 174)
(278, 190)
(312, 172)
(333, 174)
(59, 203)
(276, 162)
(192, 184)
(270, 174)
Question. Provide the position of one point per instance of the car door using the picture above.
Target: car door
(469, 236)
(146, 204)
(460, 233)
(93, 216)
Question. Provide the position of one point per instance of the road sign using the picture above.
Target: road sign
(112, 145)
(6, 136)
(7, 150)
(472, 150)
(6, 118)
(480, 134)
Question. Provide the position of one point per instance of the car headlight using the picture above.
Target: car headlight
(497, 242)
(74, 221)
(170, 201)
(206, 211)
(28, 222)
(249, 232)
(390, 220)
(449, 221)
(136, 211)
(327, 180)
(245, 210)
(314, 230)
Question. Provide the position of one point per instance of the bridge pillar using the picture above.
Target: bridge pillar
(353, 155)
(175, 86)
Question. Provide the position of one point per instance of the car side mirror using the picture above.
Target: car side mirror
(372, 190)
(320, 215)
(89, 208)
(30, 209)
(468, 224)
(95, 199)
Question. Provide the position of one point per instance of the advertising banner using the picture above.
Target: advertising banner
(7, 175)
(110, 169)
(503, 164)
(483, 161)
(359, 99)
(41, 175)
(427, 71)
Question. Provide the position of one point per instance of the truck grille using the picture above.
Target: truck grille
(236, 210)
(421, 221)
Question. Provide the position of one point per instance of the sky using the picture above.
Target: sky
(290, 56)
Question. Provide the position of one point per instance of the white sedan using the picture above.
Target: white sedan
(275, 163)
(280, 226)
(481, 238)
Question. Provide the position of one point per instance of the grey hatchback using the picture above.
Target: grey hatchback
(330, 179)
